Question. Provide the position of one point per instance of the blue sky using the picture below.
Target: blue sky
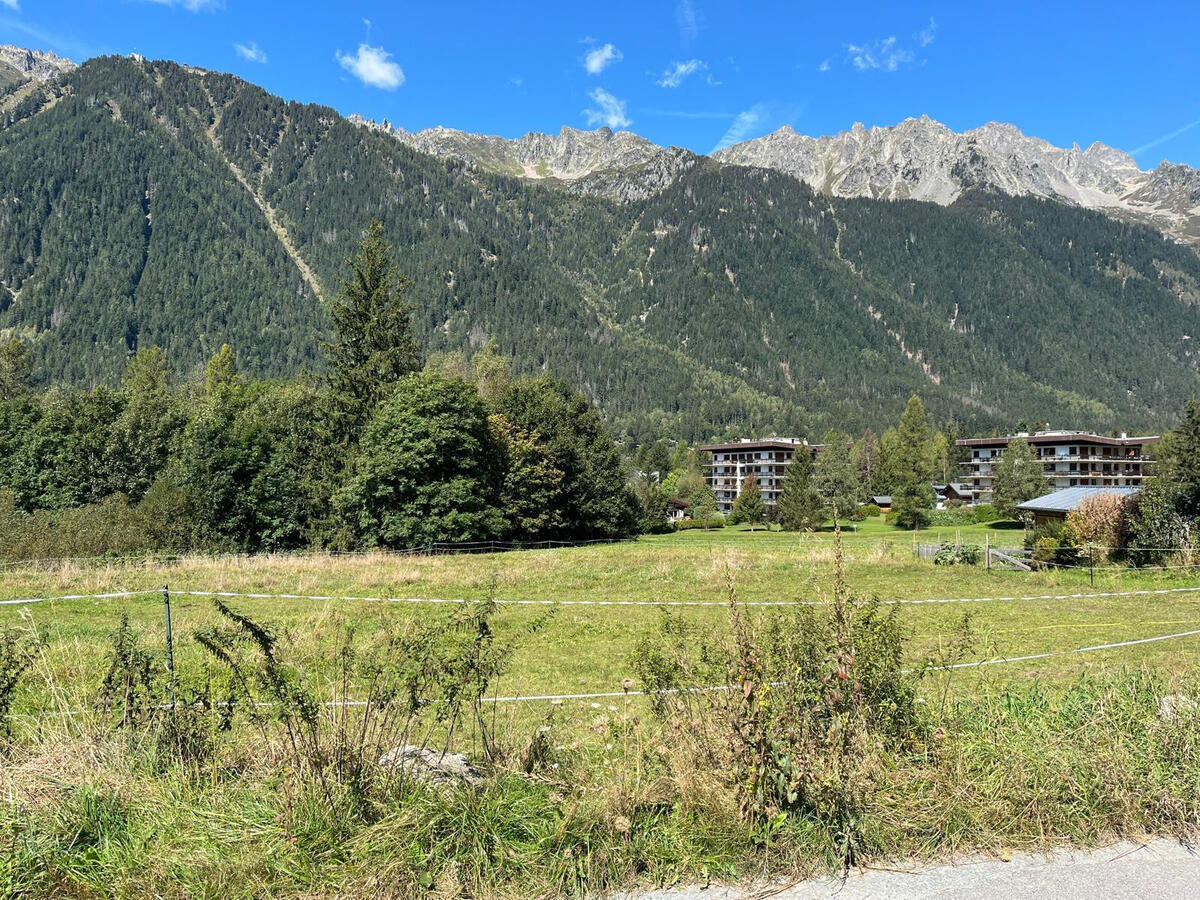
(696, 73)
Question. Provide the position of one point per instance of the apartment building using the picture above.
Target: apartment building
(765, 459)
(1069, 459)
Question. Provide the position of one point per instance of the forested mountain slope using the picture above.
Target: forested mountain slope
(152, 204)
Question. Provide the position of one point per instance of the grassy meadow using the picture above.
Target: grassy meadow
(586, 648)
(592, 794)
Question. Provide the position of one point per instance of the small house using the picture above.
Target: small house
(678, 510)
(1054, 508)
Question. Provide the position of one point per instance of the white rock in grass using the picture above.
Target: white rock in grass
(433, 766)
(1172, 706)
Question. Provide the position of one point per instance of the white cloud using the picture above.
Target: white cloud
(251, 52)
(611, 112)
(600, 58)
(885, 55)
(373, 66)
(824, 66)
(745, 122)
(192, 5)
(679, 71)
(688, 20)
(12, 4)
(926, 35)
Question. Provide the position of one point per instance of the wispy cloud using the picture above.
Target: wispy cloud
(926, 35)
(885, 55)
(191, 5)
(251, 52)
(678, 72)
(688, 20)
(743, 125)
(600, 58)
(608, 110)
(686, 113)
(11, 4)
(824, 66)
(372, 66)
(1171, 135)
(76, 50)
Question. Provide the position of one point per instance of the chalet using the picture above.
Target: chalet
(678, 510)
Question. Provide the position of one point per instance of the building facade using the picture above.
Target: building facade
(766, 459)
(1069, 459)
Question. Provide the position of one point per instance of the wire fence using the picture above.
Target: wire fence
(350, 598)
(603, 695)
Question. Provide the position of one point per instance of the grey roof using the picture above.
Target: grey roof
(882, 499)
(1070, 498)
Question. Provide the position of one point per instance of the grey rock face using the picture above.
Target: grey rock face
(34, 65)
(568, 155)
(918, 159)
(921, 159)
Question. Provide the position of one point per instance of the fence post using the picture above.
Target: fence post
(170, 646)
(987, 550)
(1092, 566)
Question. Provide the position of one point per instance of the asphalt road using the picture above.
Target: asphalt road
(1157, 869)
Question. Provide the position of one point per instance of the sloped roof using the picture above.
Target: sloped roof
(1070, 498)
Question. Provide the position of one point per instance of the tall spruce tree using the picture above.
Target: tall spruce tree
(836, 476)
(1017, 477)
(1179, 461)
(800, 506)
(913, 496)
(749, 506)
(374, 346)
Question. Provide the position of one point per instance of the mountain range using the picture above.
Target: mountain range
(918, 159)
(785, 285)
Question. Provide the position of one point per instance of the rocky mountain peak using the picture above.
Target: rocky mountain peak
(34, 65)
(923, 159)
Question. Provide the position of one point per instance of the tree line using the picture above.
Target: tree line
(385, 450)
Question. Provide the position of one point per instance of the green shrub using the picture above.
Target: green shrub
(870, 511)
(818, 703)
(984, 513)
(1052, 545)
(958, 555)
(717, 521)
(951, 517)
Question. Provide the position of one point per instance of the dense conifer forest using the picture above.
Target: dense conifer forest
(149, 205)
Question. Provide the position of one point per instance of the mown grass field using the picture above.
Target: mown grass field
(586, 648)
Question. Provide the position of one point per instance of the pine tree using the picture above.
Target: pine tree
(374, 346)
(835, 475)
(913, 496)
(1017, 477)
(749, 506)
(1179, 460)
(866, 457)
(16, 367)
(800, 506)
